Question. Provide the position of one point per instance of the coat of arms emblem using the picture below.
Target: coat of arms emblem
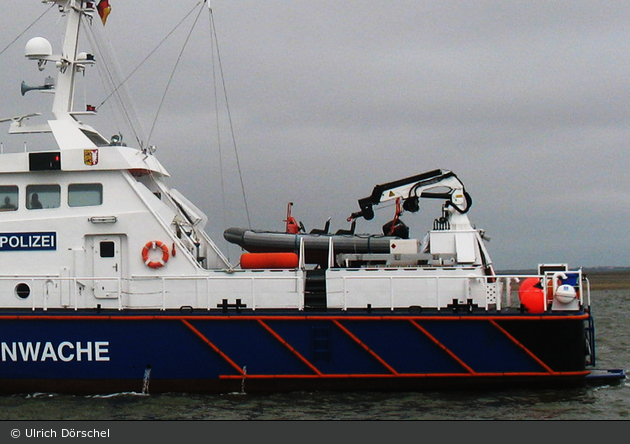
(90, 157)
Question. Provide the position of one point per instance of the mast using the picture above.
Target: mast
(68, 132)
(68, 64)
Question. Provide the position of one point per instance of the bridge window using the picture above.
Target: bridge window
(43, 196)
(85, 194)
(8, 198)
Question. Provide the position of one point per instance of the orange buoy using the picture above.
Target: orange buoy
(532, 296)
(269, 261)
(157, 245)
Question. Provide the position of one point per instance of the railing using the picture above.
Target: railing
(435, 291)
(54, 291)
(391, 288)
(250, 292)
(36, 292)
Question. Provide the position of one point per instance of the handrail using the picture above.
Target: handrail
(505, 279)
(501, 295)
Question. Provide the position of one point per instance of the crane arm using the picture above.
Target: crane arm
(410, 189)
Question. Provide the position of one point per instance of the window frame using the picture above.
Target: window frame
(40, 188)
(70, 193)
(5, 193)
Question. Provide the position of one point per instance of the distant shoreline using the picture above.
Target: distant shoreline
(608, 280)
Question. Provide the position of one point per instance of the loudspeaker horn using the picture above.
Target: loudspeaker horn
(48, 84)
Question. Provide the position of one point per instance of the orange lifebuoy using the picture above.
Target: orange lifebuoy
(155, 263)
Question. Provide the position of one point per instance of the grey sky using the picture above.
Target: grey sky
(527, 102)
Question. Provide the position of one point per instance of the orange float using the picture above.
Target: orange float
(532, 296)
(269, 261)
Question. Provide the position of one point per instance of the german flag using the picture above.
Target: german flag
(103, 10)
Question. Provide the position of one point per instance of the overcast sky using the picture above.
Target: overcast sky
(526, 101)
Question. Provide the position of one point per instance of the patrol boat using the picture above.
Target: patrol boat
(109, 282)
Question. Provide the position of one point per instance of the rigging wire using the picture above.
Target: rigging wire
(110, 77)
(27, 28)
(227, 105)
(150, 54)
(224, 87)
(218, 126)
(170, 79)
(213, 32)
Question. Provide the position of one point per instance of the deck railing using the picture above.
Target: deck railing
(278, 289)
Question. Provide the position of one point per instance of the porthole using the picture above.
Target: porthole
(22, 290)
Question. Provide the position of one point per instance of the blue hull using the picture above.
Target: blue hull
(226, 352)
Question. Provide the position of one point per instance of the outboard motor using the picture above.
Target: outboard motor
(396, 227)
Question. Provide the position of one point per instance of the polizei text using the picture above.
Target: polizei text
(28, 241)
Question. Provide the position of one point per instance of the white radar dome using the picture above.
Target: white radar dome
(38, 47)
